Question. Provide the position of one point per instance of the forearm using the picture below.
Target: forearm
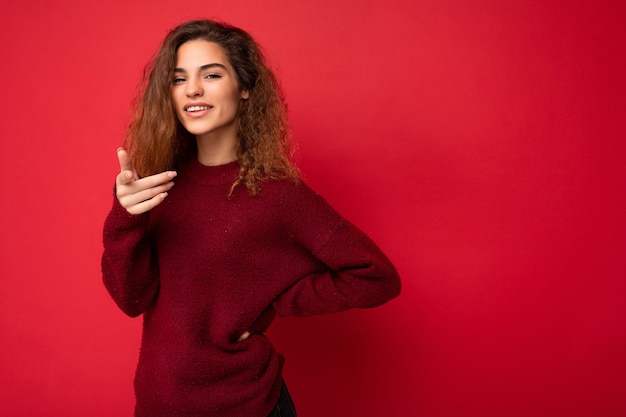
(355, 274)
(129, 271)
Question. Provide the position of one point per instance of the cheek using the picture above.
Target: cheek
(234, 98)
(176, 103)
(174, 98)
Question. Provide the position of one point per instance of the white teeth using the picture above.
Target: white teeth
(196, 108)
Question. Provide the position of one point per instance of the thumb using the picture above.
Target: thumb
(126, 165)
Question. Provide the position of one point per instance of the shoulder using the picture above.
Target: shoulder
(306, 215)
(296, 195)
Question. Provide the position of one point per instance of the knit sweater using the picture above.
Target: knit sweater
(204, 268)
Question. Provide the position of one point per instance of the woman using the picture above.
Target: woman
(210, 261)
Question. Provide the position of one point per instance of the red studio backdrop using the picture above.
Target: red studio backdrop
(480, 143)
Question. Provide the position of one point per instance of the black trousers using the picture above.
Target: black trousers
(284, 407)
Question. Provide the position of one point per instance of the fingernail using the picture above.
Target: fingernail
(171, 174)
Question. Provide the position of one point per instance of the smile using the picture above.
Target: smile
(192, 109)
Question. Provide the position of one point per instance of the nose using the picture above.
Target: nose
(194, 87)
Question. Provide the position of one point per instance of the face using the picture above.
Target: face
(205, 92)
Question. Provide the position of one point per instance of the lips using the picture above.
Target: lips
(196, 107)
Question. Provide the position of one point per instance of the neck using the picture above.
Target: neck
(216, 150)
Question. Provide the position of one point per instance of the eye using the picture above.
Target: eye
(178, 80)
(212, 76)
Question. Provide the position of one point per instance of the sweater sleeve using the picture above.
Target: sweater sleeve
(351, 272)
(129, 271)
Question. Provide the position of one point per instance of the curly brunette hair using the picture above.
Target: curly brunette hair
(156, 139)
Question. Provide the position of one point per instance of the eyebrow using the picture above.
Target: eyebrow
(202, 67)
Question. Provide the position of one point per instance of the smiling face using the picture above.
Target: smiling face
(205, 92)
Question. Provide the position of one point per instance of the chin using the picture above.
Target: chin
(198, 131)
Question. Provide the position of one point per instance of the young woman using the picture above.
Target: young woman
(239, 238)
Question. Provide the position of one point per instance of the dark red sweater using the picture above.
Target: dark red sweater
(204, 269)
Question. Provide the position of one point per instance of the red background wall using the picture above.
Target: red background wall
(480, 143)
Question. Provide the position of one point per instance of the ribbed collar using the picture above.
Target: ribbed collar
(211, 175)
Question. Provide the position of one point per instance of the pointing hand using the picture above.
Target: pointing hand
(140, 195)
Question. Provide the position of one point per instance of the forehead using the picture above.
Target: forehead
(198, 52)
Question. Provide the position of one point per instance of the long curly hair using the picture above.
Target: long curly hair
(156, 139)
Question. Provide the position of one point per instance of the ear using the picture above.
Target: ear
(245, 94)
